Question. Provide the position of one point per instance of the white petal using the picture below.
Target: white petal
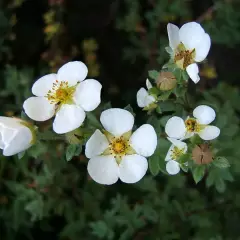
(141, 95)
(103, 169)
(143, 98)
(169, 153)
(68, 118)
(203, 48)
(144, 140)
(193, 71)
(175, 128)
(172, 167)
(148, 100)
(41, 87)
(178, 144)
(72, 72)
(20, 140)
(132, 168)
(204, 114)
(148, 84)
(209, 133)
(39, 108)
(191, 34)
(87, 94)
(117, 121)
(96, 144)
(173, 35)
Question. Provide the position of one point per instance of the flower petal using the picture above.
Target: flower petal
(68, 118)
(172, 167)
(87, 94)
(209, 133)
(144, 140)
(132, 168)
(38, 108)
(178, 144)
(141, 96)
(204, 114)
(20, 140)
(117, 121)
(203, 48)
(148, 84)
(175, 128)
(96, 144)
(41, 87)
(173, 35)
(193, 71)
(191, 34)
(103, 169)
(169, 154)
(72, 72)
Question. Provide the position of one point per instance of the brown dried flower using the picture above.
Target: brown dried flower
(166, 81)
(202, 154)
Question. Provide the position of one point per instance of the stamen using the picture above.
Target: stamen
(61, 93)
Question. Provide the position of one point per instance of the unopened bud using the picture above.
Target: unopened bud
(202, 154)
(166, 81)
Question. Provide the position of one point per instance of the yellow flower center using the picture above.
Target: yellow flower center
(184, 57)
(176, 152)
(61, 93)
(119, 146)
(192, 125)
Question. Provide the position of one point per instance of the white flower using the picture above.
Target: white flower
(15, 136)
(144, 99)
(177, 128)
(65, 95)
(190, 44)
(117, 152)
(175, 151)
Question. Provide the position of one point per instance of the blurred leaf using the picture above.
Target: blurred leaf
(221, 162)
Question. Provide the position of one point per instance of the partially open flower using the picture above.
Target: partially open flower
(177, 128)
(190, 44)
(117, 152)
(202, 154)
(144, 99)
(177, 149)
(65, 95)
(15, 135)
(166, 81)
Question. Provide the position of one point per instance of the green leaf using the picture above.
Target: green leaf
(153, 74)
(154, 165)
(167, 106)
(221, 162)
(185, 75)
(198, 173)
(130, 109)
(220, 185)
(21, 155)
(154, 91)
(169, 50)
(93, 121)
(73, 150)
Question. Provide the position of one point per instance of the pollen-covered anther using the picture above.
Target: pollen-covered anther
(61, 93)
(183, 57)
(177, 152)
(192, 125)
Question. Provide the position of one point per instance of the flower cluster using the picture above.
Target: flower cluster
(116, 151)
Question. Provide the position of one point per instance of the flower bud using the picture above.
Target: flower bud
(202, 154)
(16, 135)
(166, 81)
